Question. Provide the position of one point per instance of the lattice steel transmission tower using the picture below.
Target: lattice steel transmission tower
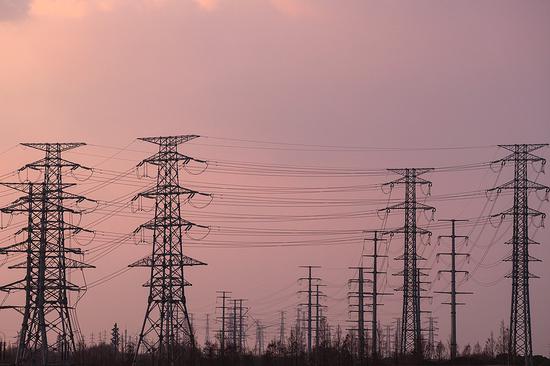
(520, 342)
(411, 339)
(282, 329)
(48, 334)
(167, 334)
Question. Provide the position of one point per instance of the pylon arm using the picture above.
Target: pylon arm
(173, 140)
(530, 212)
(513, 157)
(530, 275)
(21, 247)
(149, 262)
(163, 156)
(403, 206)
(529, 242)
(73, 263)
(530, 259)
(42, 163)
(169, 189)
(62, 146)
(164, 223)
(175, 283)
(515, 185)
(402, 230)
(17, 285)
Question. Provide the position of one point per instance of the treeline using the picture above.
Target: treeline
(275, 354)
(334, 349)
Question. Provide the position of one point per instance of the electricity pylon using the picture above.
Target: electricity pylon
(318, 314)
(361, 310)
(520, 341)
(282, 329)
(167, 332)
(309, 304)
(238, 313)
(453, 271)
(48, 332)
(411, 340)
(375, 292)
(432, 333)
(223, 321)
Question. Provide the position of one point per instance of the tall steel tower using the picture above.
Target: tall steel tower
(166, 332)
(520, 342)
(453, 272)
(411, 341)
(47, 335)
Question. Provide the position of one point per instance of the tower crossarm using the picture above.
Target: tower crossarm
(169, 140)
(164, 157)
(169, 189)
(160, 261)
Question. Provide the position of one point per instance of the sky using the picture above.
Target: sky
(356, 85)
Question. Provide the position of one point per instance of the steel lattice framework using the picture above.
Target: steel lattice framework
(166, 332)
(411, 341)
(47, 335)
(520, 342)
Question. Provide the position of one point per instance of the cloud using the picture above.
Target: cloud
(13, 9)
(207, 5)
(68, 8)
(293, 8)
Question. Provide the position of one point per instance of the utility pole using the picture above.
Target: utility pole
(234, 333)
(207, 335)
(318, 316)
(375, 293)
(48, 330)
(453, 271)
(360, 295)
(223, 319)
(166, 317)
(282, 329)
(309, 291)
(411, 340)
(520, 341)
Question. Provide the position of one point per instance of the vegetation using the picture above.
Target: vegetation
(334, 351)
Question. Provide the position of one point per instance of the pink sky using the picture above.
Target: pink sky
(315, 72)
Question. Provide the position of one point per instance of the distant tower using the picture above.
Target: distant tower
(167, 331)
(411, 340)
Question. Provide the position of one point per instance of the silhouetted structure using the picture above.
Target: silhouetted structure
(411, 341)
(167, 332)
(309, 304)
(48, 330)
(453, 271)
(520, 318)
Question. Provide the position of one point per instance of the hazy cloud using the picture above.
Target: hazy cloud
(208, 5)
(13, 9)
